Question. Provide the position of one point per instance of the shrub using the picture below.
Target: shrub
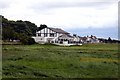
(31, 41)
(28, 41)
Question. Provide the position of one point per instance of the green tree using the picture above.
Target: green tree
(26, 39)
(109, 40)
(32, 27)
(21, 30)
(21, 27)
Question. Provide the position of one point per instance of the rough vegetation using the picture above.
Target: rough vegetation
(50, 61)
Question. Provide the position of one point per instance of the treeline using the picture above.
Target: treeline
(18, 30)
(109, 40)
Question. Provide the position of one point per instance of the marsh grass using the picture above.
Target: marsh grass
(51, 61)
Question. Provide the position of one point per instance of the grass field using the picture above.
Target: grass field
(50, 61)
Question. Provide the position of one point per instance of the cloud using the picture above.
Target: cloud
(4, 4)
(46, 6)
(52, 5)
(65, 14)
(81, 16)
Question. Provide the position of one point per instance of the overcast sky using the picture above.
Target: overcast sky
(83, 17)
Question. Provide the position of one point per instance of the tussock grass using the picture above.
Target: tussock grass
(99, 59)
(51, 61)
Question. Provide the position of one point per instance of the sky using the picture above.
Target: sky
(81, 17)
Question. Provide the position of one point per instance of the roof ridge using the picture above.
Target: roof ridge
(59, 30)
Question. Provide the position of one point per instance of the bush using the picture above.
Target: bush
(25, 39)
(28, 41)
(31, 41)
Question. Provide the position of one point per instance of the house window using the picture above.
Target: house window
(45, 34)
(39, 34)
(55, 34)
(51, 34)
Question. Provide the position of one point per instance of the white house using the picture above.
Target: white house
(92, 39)
(55, 35)
(61, 37)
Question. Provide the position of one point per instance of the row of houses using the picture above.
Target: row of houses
(61, 37)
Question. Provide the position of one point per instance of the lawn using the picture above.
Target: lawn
(50, 61)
